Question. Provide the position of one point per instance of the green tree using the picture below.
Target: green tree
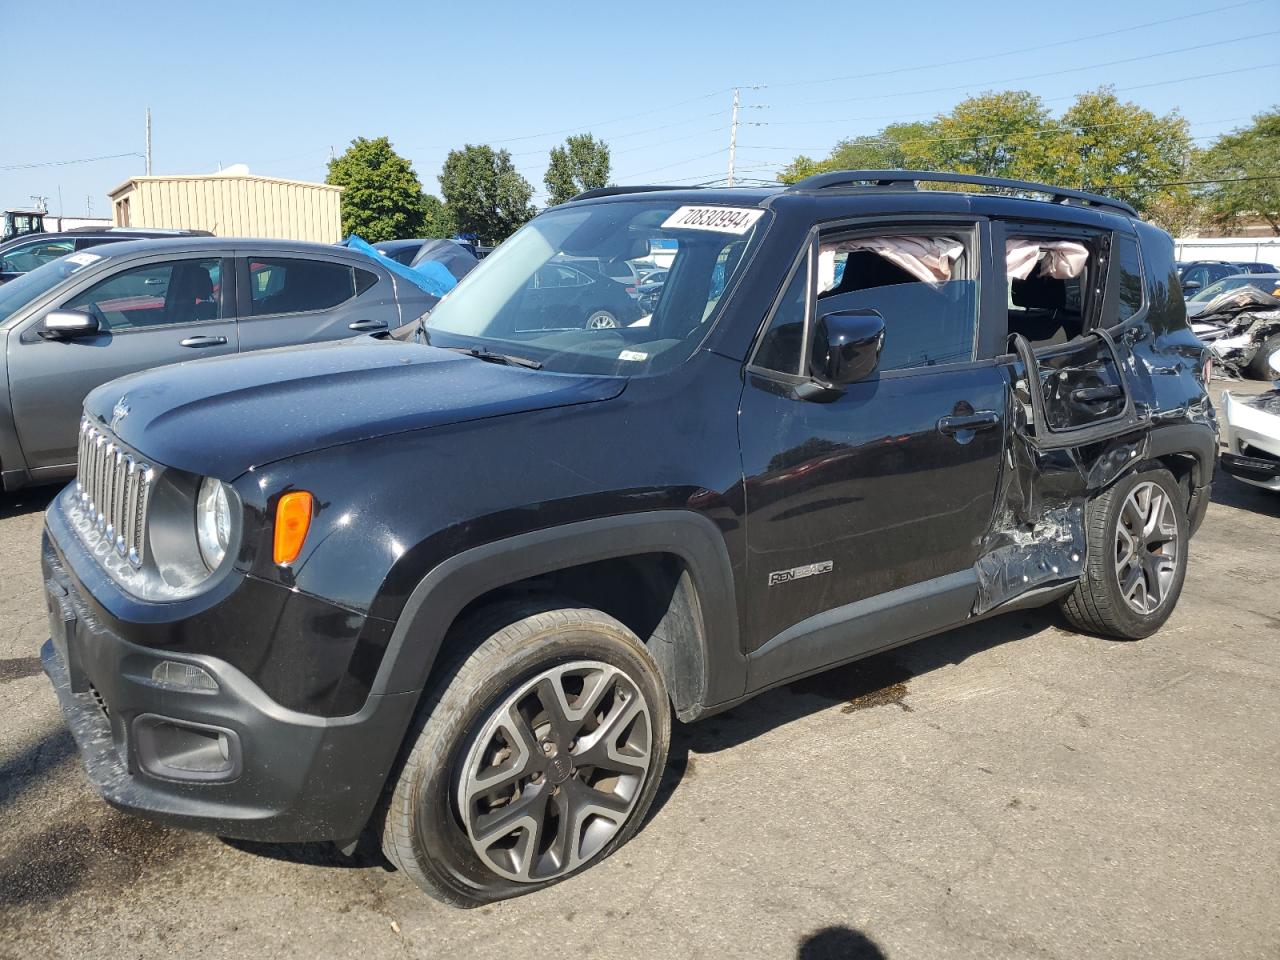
(1119, 149)
(437, 218)
(1099, 143)
(581, 164)
(1253, 152)
(382, 197)
(992, 135)
(890, 149)
(484, 192)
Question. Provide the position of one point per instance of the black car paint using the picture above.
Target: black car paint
(439, 477)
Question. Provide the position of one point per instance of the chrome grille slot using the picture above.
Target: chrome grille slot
(114, 485)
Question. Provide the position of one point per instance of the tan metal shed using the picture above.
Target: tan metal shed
(231, 205)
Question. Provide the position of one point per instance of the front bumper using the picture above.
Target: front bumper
(287, 776)
(1253, 439)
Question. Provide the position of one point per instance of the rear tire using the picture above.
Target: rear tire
(577, 777)
(1260, 366)
(1137, 558)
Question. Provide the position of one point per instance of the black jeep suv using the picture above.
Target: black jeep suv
(452, 584)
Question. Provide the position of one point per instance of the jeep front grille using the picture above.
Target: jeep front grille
(114, 484)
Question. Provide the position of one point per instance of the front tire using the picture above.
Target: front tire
(1137, 559)
(533, 757)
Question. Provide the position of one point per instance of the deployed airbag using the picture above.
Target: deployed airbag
(928, 259)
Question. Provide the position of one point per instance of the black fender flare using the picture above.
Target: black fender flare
(442, 594)
(1198, 441)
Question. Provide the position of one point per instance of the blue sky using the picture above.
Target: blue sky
(276, 85)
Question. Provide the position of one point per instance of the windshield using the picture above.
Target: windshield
(16, 294)
(1231, 283)
(546, 294)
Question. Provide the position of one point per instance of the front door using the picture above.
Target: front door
(874, 498)
(150, 315)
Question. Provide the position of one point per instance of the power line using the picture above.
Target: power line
(1141, 86)
(66, 163)
(1050, 73)
(1011, 53)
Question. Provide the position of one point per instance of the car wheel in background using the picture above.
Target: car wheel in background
(602, 320)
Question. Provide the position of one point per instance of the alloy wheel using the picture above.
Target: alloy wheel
(555, 771)
(1146, 547)
(602, 320)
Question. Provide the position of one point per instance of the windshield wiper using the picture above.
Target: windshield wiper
(506, 359)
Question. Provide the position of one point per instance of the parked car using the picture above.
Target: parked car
(1254, 267)
(1242, 329)
(1198, 274)
(401, 251)
(567, 294)
(23, 254)
(1253, 434)
(1198, 301)
(92, 316)
(609, 525)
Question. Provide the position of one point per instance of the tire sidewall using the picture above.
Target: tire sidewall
(1132, 623)
(440, 844)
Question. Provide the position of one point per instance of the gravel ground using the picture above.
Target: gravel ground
(1009, 789)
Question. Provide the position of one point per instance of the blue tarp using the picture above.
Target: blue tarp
(429, 275)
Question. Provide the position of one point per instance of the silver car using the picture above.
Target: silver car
(95, 315)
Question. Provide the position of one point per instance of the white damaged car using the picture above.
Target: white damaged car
(1253, 435)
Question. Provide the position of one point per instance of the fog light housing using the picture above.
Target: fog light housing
(183, 750)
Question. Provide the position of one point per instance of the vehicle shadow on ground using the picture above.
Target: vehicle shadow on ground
(30, 500)
(879, 680)
(1230, 492)
(838, 943)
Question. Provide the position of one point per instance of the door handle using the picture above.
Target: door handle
(367, 325)
(981, 420)
(1095, 394)
(202, 342)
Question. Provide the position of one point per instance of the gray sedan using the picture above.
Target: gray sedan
(95, 315)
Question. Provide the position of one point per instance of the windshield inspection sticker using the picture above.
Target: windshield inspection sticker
(736, 220)
(635, 355)
(83, 259)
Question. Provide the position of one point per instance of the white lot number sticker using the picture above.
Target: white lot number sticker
(735, 220)
(83, 259)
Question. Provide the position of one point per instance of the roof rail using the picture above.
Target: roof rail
(615, 191)
(887, 178)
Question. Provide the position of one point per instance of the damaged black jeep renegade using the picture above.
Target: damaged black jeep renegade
(451, 585)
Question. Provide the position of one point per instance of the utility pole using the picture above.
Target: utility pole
(148, 141)
(733, 134)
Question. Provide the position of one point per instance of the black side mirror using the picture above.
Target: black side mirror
(846, 346)
(68, 325)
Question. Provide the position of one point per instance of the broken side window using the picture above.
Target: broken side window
(1049, 295)
(925, 287)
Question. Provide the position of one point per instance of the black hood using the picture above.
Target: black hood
(220, 416)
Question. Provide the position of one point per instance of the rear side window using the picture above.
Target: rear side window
(364, 280)
(1126, 280)
(294, 285)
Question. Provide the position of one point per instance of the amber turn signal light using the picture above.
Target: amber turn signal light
(293, 520)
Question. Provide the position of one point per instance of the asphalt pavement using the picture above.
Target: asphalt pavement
(1010, 789)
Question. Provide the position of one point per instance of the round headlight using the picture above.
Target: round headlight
(213, 521)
